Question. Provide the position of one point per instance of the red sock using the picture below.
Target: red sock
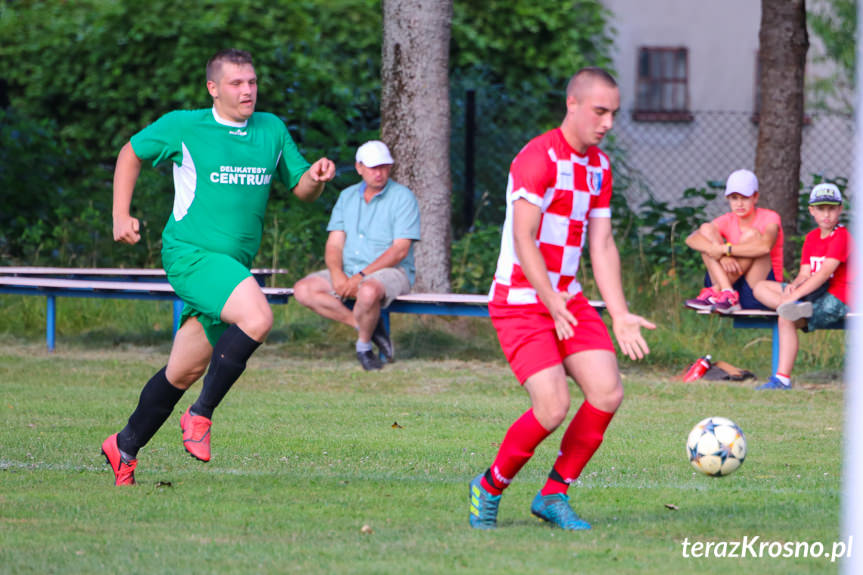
(580, 441)
(518, 445)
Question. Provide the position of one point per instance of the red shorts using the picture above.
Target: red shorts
(529, 341)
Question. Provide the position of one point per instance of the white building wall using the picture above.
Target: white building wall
(722, 42)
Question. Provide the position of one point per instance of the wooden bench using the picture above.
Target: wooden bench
(150, 285)
(767, 319)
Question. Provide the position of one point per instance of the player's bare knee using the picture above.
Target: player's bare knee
(552, 415)
(185, 379)
(607, 398)
(258, 325)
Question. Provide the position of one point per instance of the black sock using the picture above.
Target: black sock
(155, 405)
(232, 351)
(490, 480)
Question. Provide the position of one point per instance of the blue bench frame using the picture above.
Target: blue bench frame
(757, 319)
(113, 283)
(147, 284)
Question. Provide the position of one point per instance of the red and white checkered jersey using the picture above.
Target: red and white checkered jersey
(569, 188)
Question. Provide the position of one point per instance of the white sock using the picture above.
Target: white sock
(783, 378)
(364, 346)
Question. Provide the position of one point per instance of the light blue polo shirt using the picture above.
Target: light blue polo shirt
(371, 228)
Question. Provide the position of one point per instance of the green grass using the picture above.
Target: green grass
(306, 454)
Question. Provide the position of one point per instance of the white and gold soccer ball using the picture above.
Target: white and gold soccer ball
(716, 446)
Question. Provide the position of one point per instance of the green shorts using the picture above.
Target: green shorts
(204, 281)
(826, 311)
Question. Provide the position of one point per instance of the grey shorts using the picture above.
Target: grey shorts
(826, 310)
(394, 280)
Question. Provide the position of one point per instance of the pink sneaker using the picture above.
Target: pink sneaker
(727, 302)
(705, 300)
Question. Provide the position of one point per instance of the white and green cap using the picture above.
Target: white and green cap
(825, 195)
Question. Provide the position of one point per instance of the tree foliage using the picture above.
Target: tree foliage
(834, 22)
(91, 73)
(517, 56)
(84, 76)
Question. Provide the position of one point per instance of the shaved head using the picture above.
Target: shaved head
(582, 80)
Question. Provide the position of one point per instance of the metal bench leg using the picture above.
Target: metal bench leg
(385, 320)
(178, 311)
(50, 321)
(775, 347)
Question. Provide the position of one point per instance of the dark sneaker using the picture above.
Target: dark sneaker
(123, 468)
(727, 302)
(705, 300)
(554, 508)
(381, 338)
(773, 383)
(196, 435)
(369, 360)
(794, 310)
(483, 506)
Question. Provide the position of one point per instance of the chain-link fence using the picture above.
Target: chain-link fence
(658, 158)
(664, 159)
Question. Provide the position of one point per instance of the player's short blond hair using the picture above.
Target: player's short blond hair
(232, 55)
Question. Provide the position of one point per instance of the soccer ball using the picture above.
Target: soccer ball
(716, 446)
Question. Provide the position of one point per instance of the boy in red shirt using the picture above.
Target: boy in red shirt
(819, 295)
(739, 249)
(557, 197)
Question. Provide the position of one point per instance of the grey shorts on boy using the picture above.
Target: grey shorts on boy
(826, 310)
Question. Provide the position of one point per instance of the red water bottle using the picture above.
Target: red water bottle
(697, 369)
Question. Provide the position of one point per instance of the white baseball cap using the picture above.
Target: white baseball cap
(741, 182)
(374, 153)
(825, 195)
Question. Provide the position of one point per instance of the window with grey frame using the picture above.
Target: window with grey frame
(662, 92)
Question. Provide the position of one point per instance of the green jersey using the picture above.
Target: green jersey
(222, 175)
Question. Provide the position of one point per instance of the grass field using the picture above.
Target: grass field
(308, 449)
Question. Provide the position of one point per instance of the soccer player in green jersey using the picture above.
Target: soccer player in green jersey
(224, 159)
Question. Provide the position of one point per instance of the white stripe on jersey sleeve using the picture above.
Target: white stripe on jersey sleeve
(185, 184)
(600, 213)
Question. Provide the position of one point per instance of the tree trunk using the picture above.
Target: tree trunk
(782, 59)
(415, 123)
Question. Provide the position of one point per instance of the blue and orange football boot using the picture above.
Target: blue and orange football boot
(554, 508)
(483, 506)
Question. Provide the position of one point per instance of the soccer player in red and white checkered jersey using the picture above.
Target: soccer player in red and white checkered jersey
(558, 196)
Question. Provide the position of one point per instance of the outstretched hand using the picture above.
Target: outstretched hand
(126, 230)
(322, 170)
(627, 330)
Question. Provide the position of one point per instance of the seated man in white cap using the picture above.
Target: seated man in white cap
(369, 254)
(739, 248)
